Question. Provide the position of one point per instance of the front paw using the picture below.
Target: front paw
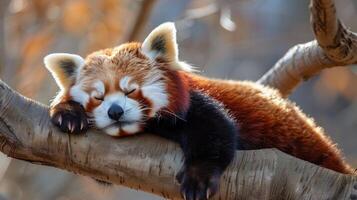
(198, 182)
(69, 117)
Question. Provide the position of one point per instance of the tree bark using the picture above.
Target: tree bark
(149, 163)
(334, 46)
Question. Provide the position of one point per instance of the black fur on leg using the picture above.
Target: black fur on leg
(208, 137)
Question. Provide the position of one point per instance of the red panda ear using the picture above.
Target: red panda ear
(64, 68)
(161, 43)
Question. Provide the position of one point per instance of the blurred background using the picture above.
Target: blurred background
(233, 39)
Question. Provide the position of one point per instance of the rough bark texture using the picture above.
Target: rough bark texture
(334, 46)
(150, 163)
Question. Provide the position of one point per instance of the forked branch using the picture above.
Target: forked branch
(334, 46)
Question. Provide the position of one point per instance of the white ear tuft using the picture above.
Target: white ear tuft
(64, 67)
(161, 43)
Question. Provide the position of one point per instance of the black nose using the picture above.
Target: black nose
(115, 112)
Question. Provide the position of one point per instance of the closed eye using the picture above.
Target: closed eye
(100, 98)
(129, 92)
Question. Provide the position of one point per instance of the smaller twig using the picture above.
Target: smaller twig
(334, 46)
(141, 20)
(3, 6)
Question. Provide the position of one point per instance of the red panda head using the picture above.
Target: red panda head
(123, 87)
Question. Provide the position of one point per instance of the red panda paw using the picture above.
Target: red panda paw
(69, 117)
(198, 182)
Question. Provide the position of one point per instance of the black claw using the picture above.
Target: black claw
(189, 192)
(198, 183)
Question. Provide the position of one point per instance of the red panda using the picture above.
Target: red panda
(138, 87)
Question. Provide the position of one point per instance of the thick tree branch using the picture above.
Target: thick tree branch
(150, 163)
(334, 46)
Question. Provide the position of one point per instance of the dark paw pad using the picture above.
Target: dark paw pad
(70, 117)
(198, 183)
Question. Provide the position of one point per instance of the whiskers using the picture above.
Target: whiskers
(173, 114)
(134, 115)
(141, 109)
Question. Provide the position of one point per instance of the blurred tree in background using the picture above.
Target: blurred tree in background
(234, 39)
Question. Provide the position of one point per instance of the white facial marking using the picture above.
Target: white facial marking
(79, 95)
(99, 86)
(132, 112)
(99, 89)
(112, 131)
(131, 128)
(124, 82)
(126, 85)
(155, 90)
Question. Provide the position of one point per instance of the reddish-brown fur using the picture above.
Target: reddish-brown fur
(266, 120)
(178, 89)
(122, 65)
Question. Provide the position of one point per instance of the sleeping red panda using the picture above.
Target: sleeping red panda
(139, 87)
